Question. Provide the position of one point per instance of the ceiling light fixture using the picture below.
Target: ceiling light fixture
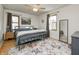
(35, 9)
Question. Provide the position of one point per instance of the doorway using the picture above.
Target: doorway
(63, 30)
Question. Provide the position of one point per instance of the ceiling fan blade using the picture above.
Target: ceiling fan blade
(42, 8)
(28, 5)
(38, 6)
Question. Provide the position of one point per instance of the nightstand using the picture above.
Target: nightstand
(9, 35)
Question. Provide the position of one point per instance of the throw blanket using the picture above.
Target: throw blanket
(29, 32)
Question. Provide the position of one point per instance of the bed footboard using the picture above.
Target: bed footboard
(30, 37)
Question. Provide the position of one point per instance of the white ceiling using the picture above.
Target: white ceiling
(27, 8)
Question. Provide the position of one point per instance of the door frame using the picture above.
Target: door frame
(67, 29)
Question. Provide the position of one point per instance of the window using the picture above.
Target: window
(15, 21)
(53, 22)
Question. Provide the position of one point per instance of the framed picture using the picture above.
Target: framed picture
(25, 21)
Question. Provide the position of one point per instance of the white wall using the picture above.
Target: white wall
(43, 17)
(1, 22)
(34, 18)
(70, 12)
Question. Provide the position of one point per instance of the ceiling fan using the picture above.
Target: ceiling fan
(35, 7)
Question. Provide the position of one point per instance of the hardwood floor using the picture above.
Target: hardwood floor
(6, 46)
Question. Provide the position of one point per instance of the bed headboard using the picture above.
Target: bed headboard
(24, 28)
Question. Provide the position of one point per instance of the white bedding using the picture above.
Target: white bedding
(28, 32)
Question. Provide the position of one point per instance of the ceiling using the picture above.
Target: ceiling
(27, 8)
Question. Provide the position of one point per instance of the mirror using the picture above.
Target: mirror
(63, 30)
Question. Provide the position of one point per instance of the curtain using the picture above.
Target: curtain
(47, 26)
(9, 22)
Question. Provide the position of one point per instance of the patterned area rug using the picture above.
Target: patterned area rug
(42, 47)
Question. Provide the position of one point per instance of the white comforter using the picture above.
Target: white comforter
(30, 31)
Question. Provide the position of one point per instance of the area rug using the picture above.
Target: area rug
(42, 47)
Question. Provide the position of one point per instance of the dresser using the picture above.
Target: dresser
(9, 35)
(75, 43)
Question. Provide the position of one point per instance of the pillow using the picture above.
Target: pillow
(23, 29)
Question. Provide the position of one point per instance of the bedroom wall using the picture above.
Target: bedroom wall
(44, 18)
(34, 18)
(70, 12)
(1, 22)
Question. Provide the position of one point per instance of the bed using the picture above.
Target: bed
(27, 35)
